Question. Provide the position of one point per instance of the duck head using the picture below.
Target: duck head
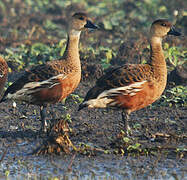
(161, 28)
(80, 21)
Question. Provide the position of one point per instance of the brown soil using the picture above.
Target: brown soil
(98, 127)
(158, 126)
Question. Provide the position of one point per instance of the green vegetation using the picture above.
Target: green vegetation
(43, 23)
(134, 146)
(175, 55)
(33, 32)
(176, 96)
(37, 34)
(38, 53)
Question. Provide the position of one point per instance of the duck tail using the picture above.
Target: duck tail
(82, 105)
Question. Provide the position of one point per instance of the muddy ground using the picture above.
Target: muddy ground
(97, 127)
(161, 130)
(99, 131)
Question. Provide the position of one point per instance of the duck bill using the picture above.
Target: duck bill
(90, 25)
(174, 32)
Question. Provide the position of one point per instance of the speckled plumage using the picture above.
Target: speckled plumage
(55, 80)
(3, 74)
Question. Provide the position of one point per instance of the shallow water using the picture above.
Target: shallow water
(18, 165)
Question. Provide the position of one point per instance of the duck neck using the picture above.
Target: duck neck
(71, 53)
(156, 56)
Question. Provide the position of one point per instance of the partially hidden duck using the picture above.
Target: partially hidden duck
(3, 74)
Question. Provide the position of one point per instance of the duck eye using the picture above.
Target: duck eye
(163, 24)
(81, 18)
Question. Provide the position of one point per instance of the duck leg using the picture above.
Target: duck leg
(125, 118)
(43, 118)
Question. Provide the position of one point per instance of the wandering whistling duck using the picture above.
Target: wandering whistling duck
(3, 74)
(134, 86)
(51, 82)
